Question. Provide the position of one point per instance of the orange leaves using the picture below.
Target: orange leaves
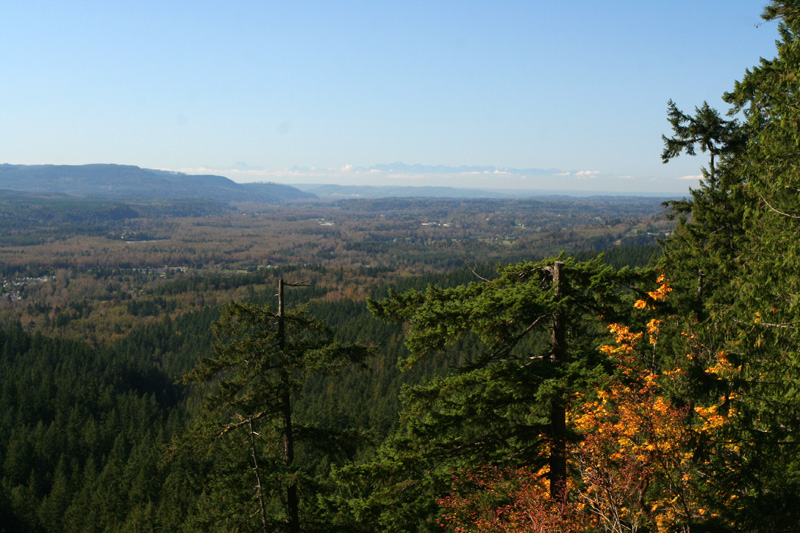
(662, 291)
(711, 418)
(636, 460)
(653, 329)
(515, 500)
(714, 416)
(626, 340)
(634, 465)
(658, 295)
(723, 368)
(623, 334)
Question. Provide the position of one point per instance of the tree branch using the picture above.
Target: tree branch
(471, 269)
(777, 211)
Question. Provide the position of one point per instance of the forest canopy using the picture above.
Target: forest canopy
(617, 371)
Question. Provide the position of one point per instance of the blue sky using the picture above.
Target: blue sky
(324, 91)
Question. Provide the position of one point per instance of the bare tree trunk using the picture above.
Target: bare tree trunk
(699, 295)
(292, 505)
(259, 491)
(558, 416)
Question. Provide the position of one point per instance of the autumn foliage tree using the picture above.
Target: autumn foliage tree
(636, 464)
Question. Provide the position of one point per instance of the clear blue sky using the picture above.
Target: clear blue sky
(322, 91)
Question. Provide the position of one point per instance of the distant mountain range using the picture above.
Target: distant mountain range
(128, 182)
(404, 168)
(131, 182)
(344, 192)
(340, 192)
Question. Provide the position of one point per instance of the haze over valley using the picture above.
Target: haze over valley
(403, 267)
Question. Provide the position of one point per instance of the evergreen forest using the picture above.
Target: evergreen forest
(420, 365)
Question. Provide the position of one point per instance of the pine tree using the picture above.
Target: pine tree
(260, 363)
(742, 230)
(533, 334)
(706, 239)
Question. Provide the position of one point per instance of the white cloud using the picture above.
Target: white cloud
(494, 178)
(407, 176)
(587, 174)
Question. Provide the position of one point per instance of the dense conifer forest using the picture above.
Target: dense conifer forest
(601, 364)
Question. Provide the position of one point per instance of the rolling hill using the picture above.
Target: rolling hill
(130, 182)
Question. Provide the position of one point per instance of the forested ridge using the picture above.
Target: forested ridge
(127, 181)
(649, 388)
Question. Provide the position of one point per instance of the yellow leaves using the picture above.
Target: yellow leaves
(757, 318)
(653, 329)
(658, 295)
(723, 367)
(623, 333)
(662, 291)
(634, 436)
(652, 326)
(661, 405)
(711, 418)
(608, 349)
(705, 412)
(663, 522)
(626, 339)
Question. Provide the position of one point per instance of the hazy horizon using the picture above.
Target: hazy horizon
(327, 92)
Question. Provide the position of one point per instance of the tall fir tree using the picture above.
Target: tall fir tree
(742, 230)
(709, 224)
(260, 363)
(532, 335)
